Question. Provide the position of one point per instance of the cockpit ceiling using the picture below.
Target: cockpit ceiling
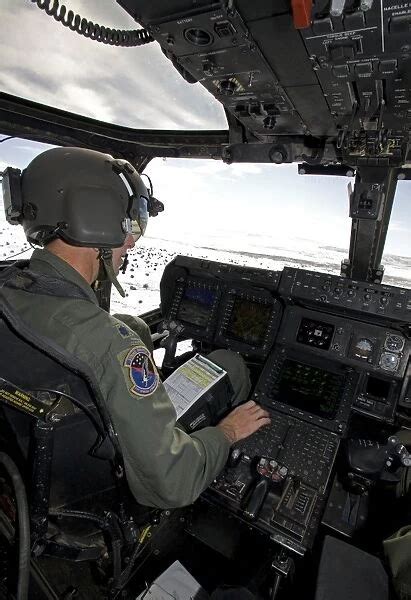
(329, 69)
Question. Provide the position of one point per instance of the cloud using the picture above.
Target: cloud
(4, 164)
(136, 87)
(398, 227)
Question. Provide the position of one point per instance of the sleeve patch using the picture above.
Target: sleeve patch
(142, 371)
(124, 331)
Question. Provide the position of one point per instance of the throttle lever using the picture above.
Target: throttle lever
(269, 474)
(370, 459)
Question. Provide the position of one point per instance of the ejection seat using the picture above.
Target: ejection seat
(55, 428)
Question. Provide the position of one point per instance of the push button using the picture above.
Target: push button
(388, 66)
(224, 29)
(364, 68)
(341, 71)
(354, 21)
(341, 52)
(322, 26)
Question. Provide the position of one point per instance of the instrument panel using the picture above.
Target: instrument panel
(327, 291)
(311, 390)
(324, 348)
(228, 306)
(327, 344)
(373, 358)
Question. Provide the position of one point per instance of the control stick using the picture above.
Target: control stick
(175, 330)
(270, 474)
(400, 453)
(369, 458)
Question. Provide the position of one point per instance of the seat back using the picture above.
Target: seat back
(75, 473)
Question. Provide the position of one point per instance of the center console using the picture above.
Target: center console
(290, 512)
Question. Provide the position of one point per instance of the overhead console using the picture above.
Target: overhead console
(362, 61)
(224, 305)
(289, 71)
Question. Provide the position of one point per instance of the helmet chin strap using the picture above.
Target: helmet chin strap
(105, 256)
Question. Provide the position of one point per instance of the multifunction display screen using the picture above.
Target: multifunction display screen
(309, 388)
(196, 305)
(378, 388)
(315, 333)
(248, 321)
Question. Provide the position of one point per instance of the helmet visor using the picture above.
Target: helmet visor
(137, 227)
(136, 218)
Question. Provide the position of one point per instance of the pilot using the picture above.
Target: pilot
(86, 210)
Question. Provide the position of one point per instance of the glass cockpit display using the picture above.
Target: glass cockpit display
(196, 305)
(310, 389)
(249, 321)
(378, 388)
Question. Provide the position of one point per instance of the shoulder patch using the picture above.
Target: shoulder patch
(124, 331)
(142, 371)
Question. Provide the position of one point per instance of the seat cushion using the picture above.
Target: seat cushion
(347, 573)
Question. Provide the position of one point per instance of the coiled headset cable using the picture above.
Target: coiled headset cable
(94, 31)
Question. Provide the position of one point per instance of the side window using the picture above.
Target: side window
(397, 252)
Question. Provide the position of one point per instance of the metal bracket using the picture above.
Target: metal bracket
(334, 170)
(371, 203)
(283, 564)
(283, 567)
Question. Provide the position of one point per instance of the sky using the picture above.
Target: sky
(268, 205)
(136, 87)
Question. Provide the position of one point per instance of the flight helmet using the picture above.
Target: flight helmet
(81, 196)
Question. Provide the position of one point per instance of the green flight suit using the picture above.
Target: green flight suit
(397, 549)
(165, 467)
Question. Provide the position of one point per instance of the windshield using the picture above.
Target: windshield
(264, 216)
(42, 61)
(397, 251)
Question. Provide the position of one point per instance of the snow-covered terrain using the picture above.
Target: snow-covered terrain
(148, 259)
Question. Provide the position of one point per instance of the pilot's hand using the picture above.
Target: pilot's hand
(243, 421)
